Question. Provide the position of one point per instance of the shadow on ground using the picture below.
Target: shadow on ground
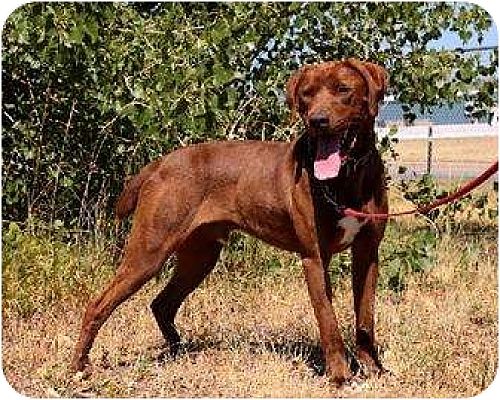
(296, 351)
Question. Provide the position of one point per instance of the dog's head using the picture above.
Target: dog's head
(338, 102)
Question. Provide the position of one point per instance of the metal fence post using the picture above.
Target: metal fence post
(429, 150)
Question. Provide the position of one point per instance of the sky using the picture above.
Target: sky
(450, 40)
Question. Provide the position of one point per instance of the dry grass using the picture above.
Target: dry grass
(250, 331)
(250, 334)
(466, 150)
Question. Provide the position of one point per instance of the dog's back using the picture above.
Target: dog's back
(228, 160)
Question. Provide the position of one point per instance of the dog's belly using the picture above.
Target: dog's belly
(273, 227)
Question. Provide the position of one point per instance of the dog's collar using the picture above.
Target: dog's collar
(352, 164)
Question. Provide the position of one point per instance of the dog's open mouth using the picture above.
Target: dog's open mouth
(329, 157)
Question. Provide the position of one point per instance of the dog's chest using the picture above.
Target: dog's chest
(346, 230)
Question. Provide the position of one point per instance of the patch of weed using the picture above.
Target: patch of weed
(40, 269)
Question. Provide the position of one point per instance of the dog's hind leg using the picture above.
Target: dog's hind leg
(194, 262)
(140, 263)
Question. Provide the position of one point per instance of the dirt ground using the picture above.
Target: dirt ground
(256, 336)
(451, 159)
(467, 150)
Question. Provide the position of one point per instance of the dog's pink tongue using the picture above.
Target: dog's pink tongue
(328, 159)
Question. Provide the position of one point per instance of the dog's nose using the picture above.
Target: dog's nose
(319, 121)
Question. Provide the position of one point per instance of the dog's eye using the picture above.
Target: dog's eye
(343, 89)
(306, 93)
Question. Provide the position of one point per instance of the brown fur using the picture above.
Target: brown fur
(127, 202)
(188, 202)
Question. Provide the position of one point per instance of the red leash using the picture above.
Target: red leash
(462, 191)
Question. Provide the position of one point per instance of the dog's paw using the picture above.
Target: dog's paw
(339, 375)
(80, 369)
(80, 376)
(369, 366)
(79, 364)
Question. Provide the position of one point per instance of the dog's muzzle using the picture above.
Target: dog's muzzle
(332, 150)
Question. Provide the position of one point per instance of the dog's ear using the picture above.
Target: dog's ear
(292, 88)
(376, 78)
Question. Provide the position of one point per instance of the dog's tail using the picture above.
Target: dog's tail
(127, 202)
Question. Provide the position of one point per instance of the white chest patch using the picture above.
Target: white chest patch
(351, 226)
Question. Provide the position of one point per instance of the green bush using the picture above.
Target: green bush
(404, 253)
(93, 91)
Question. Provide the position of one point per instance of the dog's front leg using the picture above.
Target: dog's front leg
(318, 284)
(364, 283)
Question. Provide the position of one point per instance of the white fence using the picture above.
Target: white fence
(443, 169)
(442, 131)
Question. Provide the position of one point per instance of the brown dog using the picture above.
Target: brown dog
(287, 194)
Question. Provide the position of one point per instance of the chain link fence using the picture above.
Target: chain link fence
(443, 141)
